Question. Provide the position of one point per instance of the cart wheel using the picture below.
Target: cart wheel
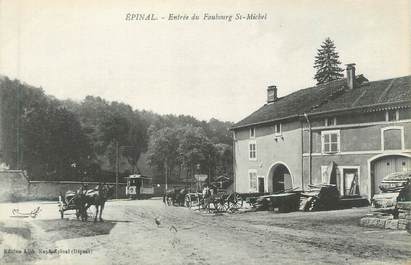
(187, 201)
(223, 207)
(237, 202)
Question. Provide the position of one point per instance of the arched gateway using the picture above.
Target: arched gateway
(279, 178)
(384, 164)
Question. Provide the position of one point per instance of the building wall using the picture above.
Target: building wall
(359, 138)
(363, 137)
(270, 150)
(358, 144)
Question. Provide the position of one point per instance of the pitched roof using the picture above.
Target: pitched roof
(332, 96)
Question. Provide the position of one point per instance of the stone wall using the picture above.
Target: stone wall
(389, 221)
(50, 190)
(13, 185)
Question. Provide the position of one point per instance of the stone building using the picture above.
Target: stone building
(349, 132)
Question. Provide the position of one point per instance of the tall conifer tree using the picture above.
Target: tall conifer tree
(327, 63)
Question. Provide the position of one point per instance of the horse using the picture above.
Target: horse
(97, 197)
(175, 195)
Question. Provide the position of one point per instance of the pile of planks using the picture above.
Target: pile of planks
(320, 197)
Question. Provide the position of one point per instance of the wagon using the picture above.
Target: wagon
(193, 199)
(70, 201)
(223, 202)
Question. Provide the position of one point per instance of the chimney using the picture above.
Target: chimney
(351, 75)
(271, 94)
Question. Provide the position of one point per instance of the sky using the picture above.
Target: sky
(203, 68)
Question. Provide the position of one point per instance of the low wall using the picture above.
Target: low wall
(50, 190)
(389, 221)
(13, 185)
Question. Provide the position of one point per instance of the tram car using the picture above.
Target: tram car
(139, 187)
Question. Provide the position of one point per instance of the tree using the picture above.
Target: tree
(162, 149)
(195, 149)
(327, 63)
(224, 160)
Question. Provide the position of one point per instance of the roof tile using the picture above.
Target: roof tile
(330, 97)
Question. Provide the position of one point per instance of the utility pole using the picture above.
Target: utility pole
(166, 173)
(117, 168)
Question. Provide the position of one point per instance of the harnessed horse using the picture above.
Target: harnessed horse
(97, 197)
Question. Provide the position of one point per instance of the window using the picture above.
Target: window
(330, 121)
(252, 132)
(253, 180)
(277, 129)
(252, 148)
(392, 115)
(330, 141)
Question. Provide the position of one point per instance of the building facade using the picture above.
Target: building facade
(348, 132)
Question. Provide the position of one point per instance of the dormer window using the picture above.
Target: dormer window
(277, 129)
(330, 121)
(392, 115)
(252, 132)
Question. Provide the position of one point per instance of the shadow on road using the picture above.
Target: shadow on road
(68, 229)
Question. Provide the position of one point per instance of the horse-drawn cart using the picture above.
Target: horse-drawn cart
(222, 202)
(70, 201)
(193, 199)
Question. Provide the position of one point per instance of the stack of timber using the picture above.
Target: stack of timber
(284, 201)
(391, 209)
(320, 197)
(394, 188)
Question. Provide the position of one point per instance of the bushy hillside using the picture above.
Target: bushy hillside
(67, 140)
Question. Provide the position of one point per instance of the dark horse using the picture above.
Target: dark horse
(97, 197)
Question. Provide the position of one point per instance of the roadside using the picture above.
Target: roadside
(130, 235)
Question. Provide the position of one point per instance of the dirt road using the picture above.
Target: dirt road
(129, 235)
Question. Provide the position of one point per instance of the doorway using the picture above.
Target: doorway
(350, 182)
(279, 178)
(260, 185)
(386, 165)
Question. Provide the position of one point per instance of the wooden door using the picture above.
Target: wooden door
(387, 165)
(261, 185)
(350, 181)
